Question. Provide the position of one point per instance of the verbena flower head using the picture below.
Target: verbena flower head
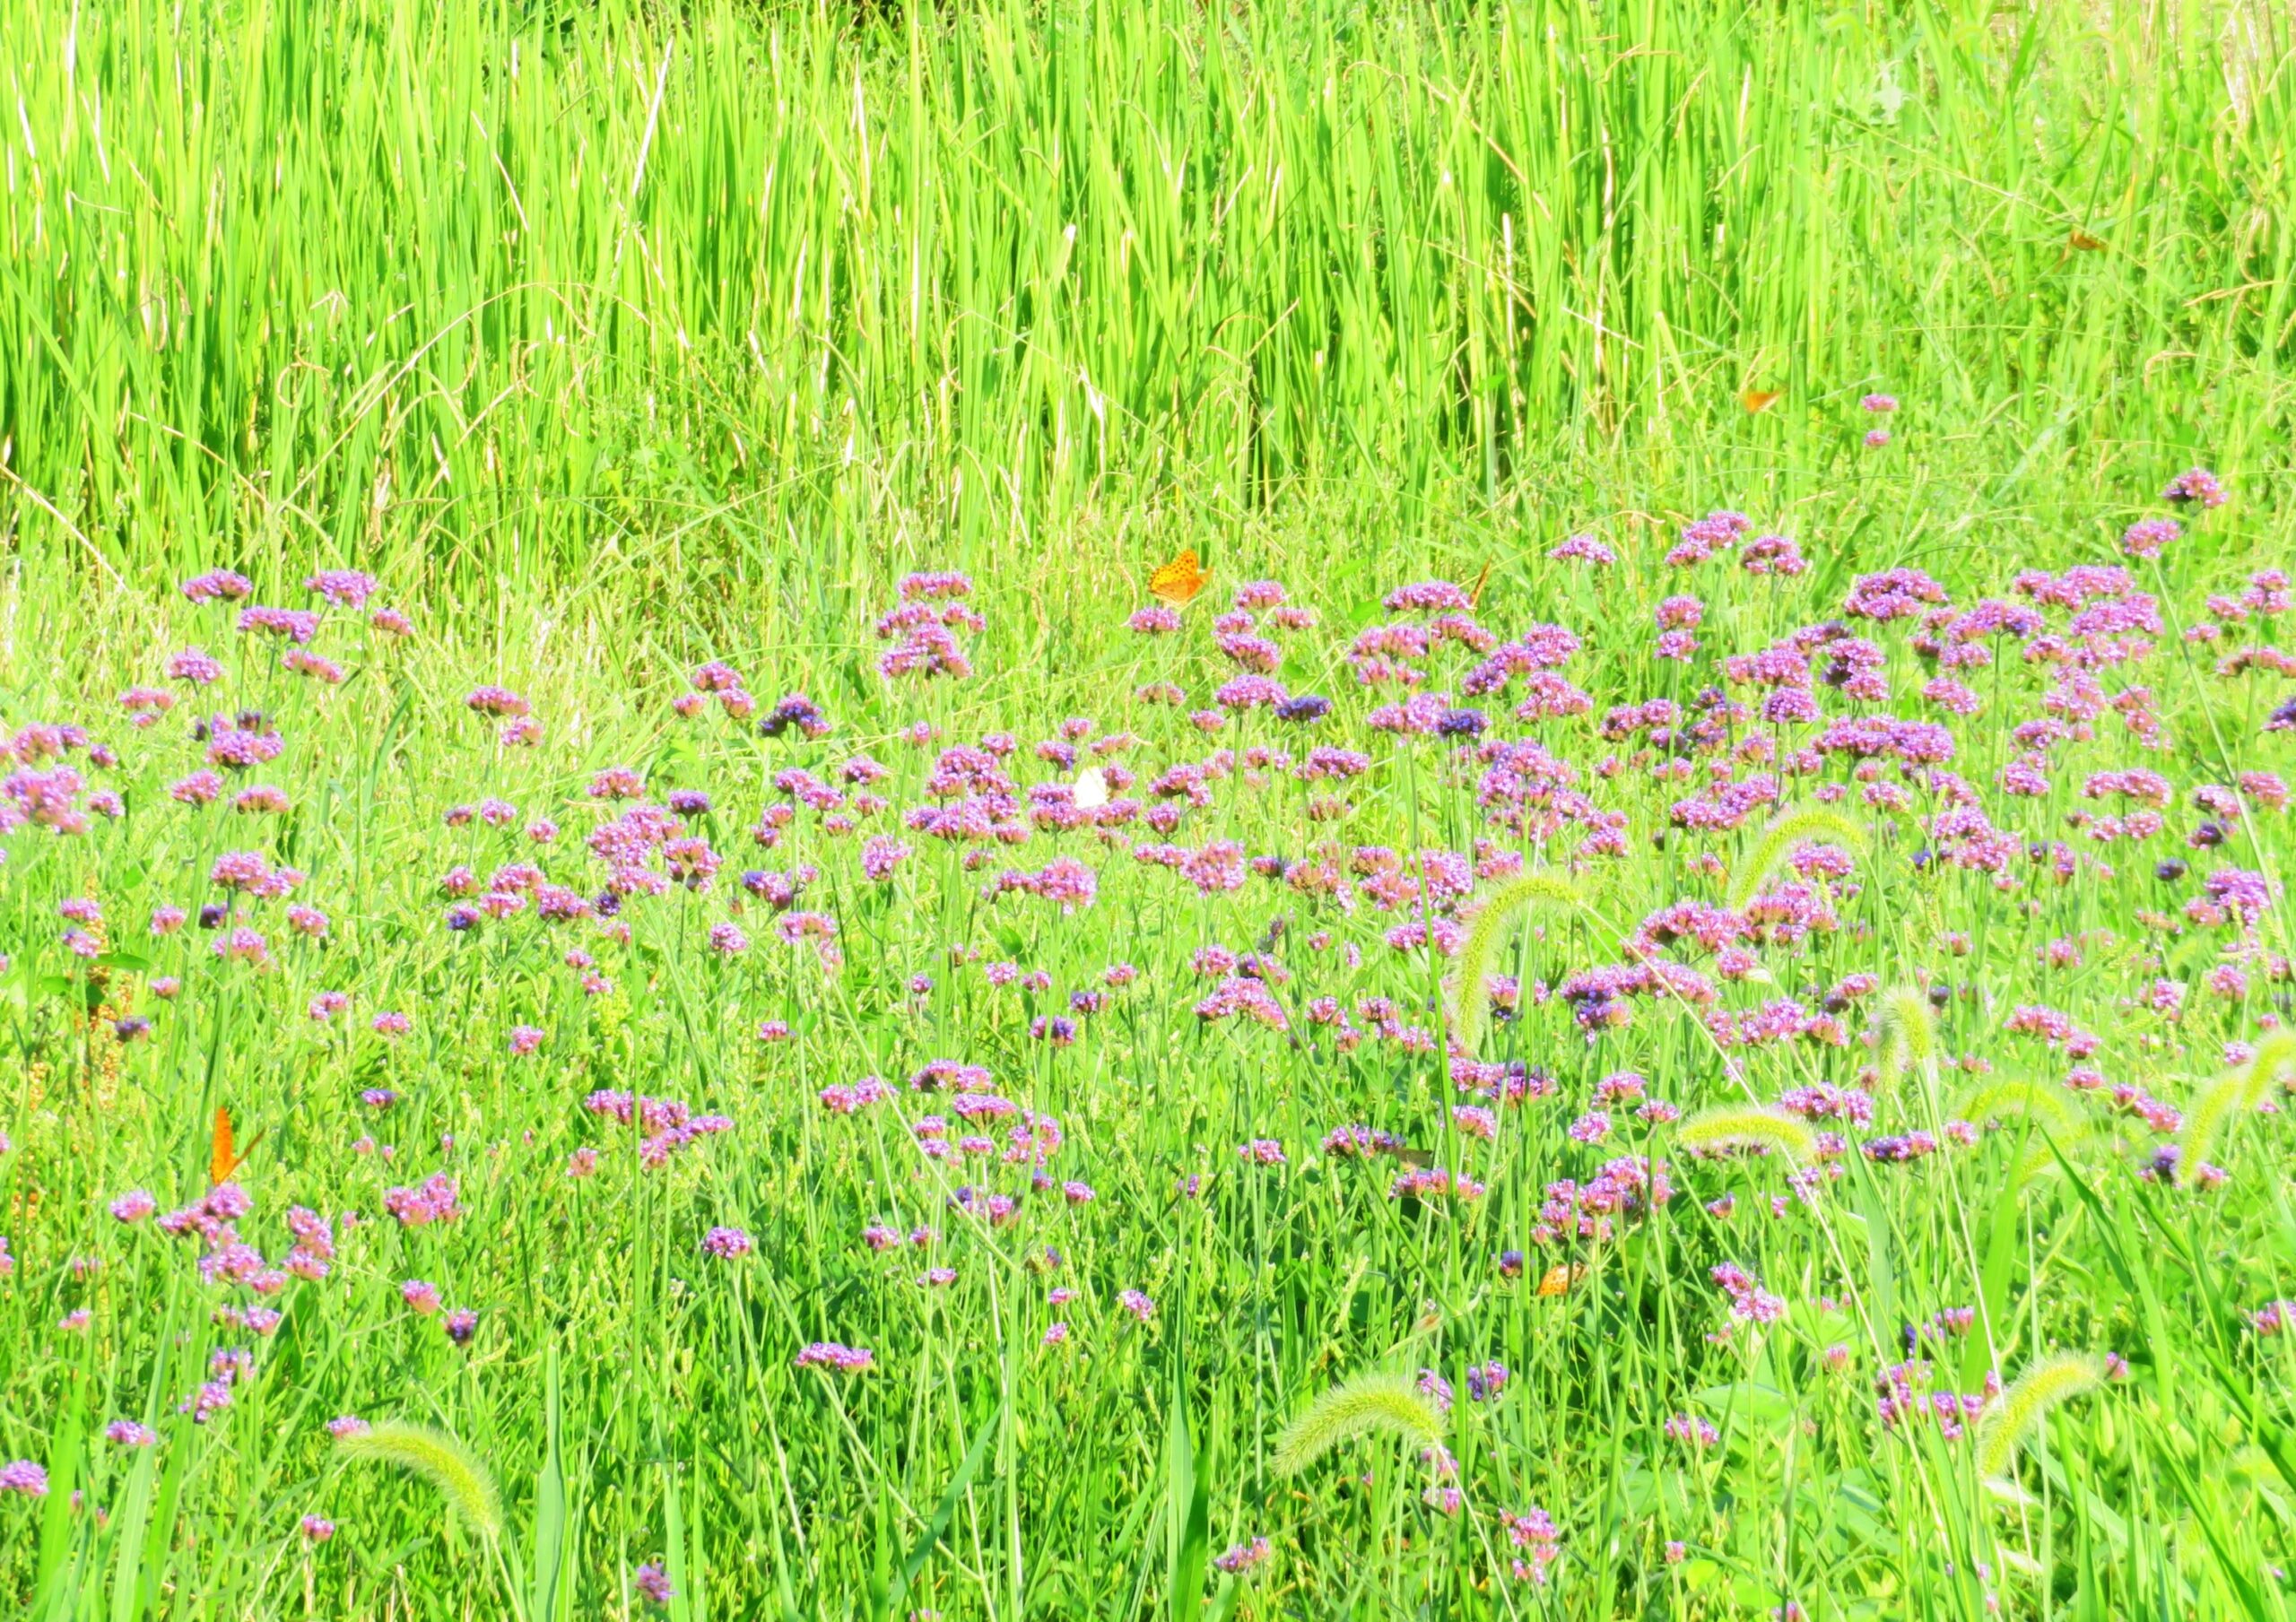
(2194, 487)
(218, 586)
(1427, 598)
(726, 1243)
(344, 587)
(795, 713)
(2149, 537)
(1243, 1556)
(496, 701)
(1584, 549)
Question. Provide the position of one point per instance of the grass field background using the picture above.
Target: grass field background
(746, 295)
(612, 344)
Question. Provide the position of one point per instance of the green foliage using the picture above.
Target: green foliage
(558, 286)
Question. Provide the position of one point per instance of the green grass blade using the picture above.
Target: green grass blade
(946, 1511)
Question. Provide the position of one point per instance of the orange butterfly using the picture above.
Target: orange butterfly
(1179, 581)
(1474, 597)
(1559, 1278)
(2086, 243)
(1760, 399)
(221, 1161)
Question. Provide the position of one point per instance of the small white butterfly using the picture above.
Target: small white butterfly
(1091, 789)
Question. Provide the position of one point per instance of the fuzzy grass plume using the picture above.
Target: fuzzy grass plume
(2212, 1108)
(1469, 988)
(2057, 1378)
(1908, 1034)
(2233, 1093)
(2275, 1057)
(1811, 824)
(1362, 1404)
(2044, 1106)
(439, 1459)
(1731, 1128)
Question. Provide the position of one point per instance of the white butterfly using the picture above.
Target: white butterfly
(1091, 789)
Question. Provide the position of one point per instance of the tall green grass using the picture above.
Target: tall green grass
(616, 337)
(501, 291)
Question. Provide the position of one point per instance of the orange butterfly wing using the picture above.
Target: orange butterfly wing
(2085, 242)
(1559, 1278)
(1179, 581)
(1474, 597)
(221, 1161)
(1760, 399)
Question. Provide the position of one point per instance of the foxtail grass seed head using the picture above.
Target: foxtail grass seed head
(1371, 1403)
(1488, 925)
(2048, 1383)
(1907, 1037)
(437, 1457)
(1748, 1129)
(1808, 826)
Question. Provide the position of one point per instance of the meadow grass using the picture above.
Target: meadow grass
(746, 297)
(1852, 1184)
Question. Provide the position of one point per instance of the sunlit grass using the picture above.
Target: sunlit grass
(513, 287)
